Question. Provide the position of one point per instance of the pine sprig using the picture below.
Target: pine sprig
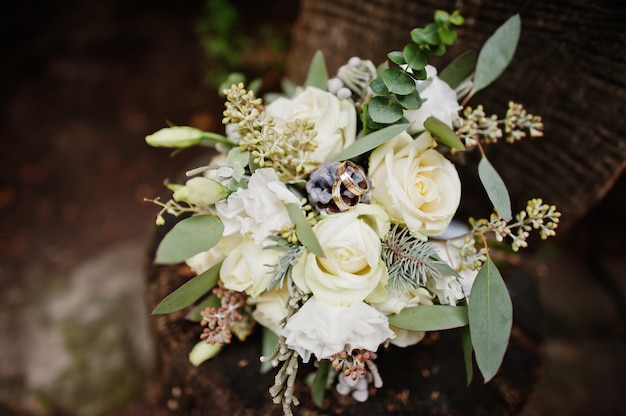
(282, 270)
(410, 261)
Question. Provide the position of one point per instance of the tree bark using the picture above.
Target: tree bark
(569, 68)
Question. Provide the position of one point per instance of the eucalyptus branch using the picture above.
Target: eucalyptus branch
(174, 208)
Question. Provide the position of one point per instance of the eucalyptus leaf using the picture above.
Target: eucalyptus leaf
(398, 81)
(318, 389)
(304, 232)
(188, 237)
(415, 57)
(370, 142)
(497, 53)
(427, 35)
(495, 187)
(190, 292)
(443, 133)
(396, 57)
(378, 87)
(210, 302)
(459, 69)
(317, 75)
(490, 319)
(412, 101)
(466, 343)
(238, 160)
(384, 110)
(268, 343)
(430, 317)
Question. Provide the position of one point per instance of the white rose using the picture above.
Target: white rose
(439, 101)
(324, 330)
(451, 289)
(394, 302)
(351, 269)
(335, 119)
(271, 308)
(203, 261)
(248, 267)
(258, 210)
(415, 184)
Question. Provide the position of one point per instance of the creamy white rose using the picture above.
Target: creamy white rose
(351, 269)
(323, 330)
(335, 119)
(259, 210)
(248, 267)
(415, 184)
(394, 302)
(270, 308)
(439, 101)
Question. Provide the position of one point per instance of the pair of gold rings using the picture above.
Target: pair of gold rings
(345, 172)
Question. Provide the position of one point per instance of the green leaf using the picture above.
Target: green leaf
(443, 133)
(426, 36)
(370, 142)
(238, 160)
(378, 87)
(304, 232)
(384, 110)
(430, 317)
(317, 76)
(396, 57)
(268, 343)
(210, 302)
(190, 292)
(188, 237)
(415, 57)
(466, 343)
(495, 187)
(490, 319)
(459, 69)
(398, 81)
(412, 101)
(497, 53)
(319, 382)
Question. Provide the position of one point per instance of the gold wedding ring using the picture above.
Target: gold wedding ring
(346, 178)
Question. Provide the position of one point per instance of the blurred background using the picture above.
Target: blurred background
(82, 84)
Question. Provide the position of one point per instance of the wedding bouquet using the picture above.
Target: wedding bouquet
(327, 215)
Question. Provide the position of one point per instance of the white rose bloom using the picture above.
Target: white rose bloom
(394, 302)
(203, 261)
(271, 308)
(258, 210)
(324, 330)
(352, 269)
(248, 267)
(450, 289)
(335, 119)
(439, 101)
(415, 184)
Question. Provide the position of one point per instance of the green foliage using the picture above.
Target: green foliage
(495, 187)
(430, 317)
(190, 292)
(490, 319)
(466, 343)
(317, 75)
(496, 53)
(268, 344)
(443, 133)
(303, 230)
(188, 237)
(370, 142)
(319, 382)
(194, 314)
(397, 91)
(459, 69)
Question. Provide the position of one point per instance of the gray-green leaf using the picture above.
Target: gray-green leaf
(497, 53)
(370, 142)
(384, 110)
(268, 343)
(398, 81)
(490, 319)
(304, 232)
(430, 317)
(317, 75)
(190, 292)
(319, 382)
(188, 237)
(459, 69)
(496, 189)
(443, 133)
